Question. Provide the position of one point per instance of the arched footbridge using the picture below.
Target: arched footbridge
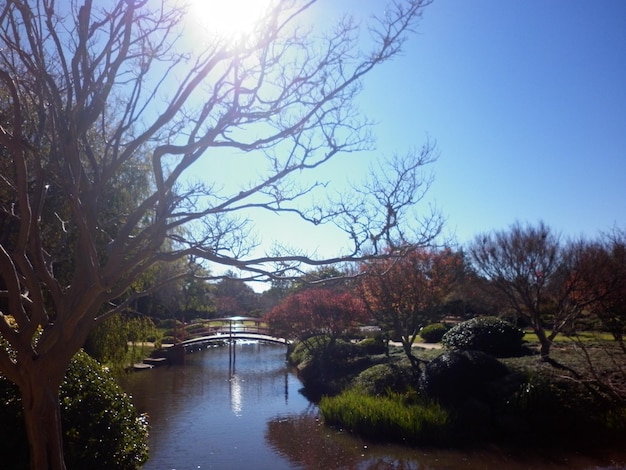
(229, 329)
(201, 334)
(234, 336)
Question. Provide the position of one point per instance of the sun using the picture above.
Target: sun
(227, 19)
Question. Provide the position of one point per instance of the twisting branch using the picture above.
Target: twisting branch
(104, 119)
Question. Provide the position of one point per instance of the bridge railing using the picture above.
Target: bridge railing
(225, 326)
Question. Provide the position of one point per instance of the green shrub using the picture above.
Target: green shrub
(326, 367)
(487, 334)
(386, 418)
(553, 407)
(380, 378)
(306, 349)
(455, 376)
(373, 345)
(170, 323)
(321, 347)
(102, 429)
(433, 333)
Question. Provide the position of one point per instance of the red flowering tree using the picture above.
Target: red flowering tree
(317, 311)
(404, 294)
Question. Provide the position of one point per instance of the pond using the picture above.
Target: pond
(241, 407)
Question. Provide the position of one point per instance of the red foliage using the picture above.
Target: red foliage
(404, 294)
(317, 311)
(413, 285)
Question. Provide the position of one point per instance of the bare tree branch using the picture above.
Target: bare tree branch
(104, 117)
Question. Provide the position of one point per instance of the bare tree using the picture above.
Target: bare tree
(88, 91)
(604, 282)
(535, 276)
(603, 288)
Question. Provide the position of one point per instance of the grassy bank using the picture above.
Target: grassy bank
(524, 400)
(390, 416)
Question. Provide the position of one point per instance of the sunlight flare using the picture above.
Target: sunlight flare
(231, 19)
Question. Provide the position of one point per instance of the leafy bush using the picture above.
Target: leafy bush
(322, 346)
(433, 333)
(387, 418)
(455, 376)
(487, 334)
(373, 345)
(170, 323)
(102, 429)
(325, 366)
(102, 426)
(380, 378)
(306, 349)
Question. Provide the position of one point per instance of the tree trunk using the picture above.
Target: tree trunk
(545, 344)
(42, 415)
(407, 346)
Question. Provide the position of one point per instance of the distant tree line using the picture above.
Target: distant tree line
(527, 274)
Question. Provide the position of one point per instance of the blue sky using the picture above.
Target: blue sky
(526, 100)
(527, 103)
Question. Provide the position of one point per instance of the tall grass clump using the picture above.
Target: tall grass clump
(387, 418)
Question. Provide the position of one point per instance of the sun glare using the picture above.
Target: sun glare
(228, 19)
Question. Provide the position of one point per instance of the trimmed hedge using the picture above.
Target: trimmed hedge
(490, 335)
(381, 378)
(433, 333)
(455, 376)
(373, 345)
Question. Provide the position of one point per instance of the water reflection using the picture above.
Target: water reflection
(310, 445)
(242, 409)
(236, 395)
(212, 412)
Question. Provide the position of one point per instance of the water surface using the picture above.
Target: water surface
(244, 410)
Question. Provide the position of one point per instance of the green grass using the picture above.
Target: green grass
(585, 336)
(566, 392)
(386, 418)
